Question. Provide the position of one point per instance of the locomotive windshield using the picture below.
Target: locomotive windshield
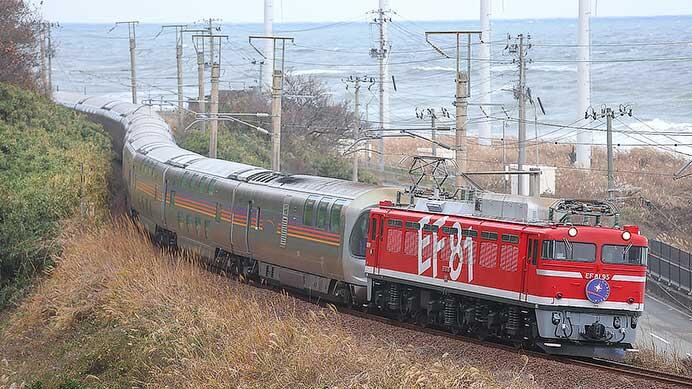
(359, 235)
(569, 251)
(623, 255)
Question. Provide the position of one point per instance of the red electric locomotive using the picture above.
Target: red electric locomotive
(574, 289)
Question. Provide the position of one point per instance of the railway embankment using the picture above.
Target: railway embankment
(116, 311)
(54, 164)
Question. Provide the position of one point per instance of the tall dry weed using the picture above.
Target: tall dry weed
(184, 326)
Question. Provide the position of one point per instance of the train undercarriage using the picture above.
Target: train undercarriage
(471, 316)
(480, 318)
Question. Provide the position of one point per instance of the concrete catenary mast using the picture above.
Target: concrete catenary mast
(485, 86)
(266, 78)
(584, 138)
(382, 55)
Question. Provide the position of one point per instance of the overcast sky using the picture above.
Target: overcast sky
(251, 11)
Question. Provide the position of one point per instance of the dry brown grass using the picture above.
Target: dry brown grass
(660, 205)
(118, 312)
(654, 358)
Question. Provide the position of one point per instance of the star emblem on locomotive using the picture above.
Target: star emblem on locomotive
(597, 290)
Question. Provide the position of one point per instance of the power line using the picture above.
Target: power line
(619, 44)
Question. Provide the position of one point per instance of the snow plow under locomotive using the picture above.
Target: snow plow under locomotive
(569, 289)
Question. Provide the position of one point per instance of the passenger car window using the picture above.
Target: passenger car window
(309, 211)
(359, 235)
(624, 255)
(335, 219)
(323, 213)
(569, 251)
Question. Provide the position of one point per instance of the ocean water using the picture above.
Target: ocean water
(631, 66)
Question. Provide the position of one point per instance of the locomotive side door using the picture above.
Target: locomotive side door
(375, 236)
(528, 269)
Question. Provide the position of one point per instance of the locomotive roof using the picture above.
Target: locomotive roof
(150, 135)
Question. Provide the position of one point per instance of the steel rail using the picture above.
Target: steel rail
(615, 367)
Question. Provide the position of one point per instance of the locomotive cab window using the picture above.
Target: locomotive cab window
(561, 250)
(624, 255)
(359, 236)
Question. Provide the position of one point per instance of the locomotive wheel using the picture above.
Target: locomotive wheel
(421, 318)
(342, 294)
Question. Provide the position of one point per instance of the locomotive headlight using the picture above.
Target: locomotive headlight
(572, 232)
(626, 235)
(557, 318)
(616, 322)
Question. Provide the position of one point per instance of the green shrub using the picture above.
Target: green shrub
(50, 158)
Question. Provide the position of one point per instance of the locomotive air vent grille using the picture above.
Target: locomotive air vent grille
(265, 177)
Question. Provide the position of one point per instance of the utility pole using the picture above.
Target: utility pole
(179, 32)
(215, 76)
(381, 53)
(504, 156)
(463, 92)
(201, 95)
(214, 109)
(43, 55)
(584, 138)
(132, 33)
(462, 109)
(50, 60)
(277, 89)
(46, 55)
(356, 130)
(357, 80)
(520, 47)
(260, 80)
(609, 114)
(277, 83)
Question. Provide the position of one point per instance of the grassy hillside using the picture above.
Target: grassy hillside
(119, 313)
(50, 158)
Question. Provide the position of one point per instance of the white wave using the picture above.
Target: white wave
(653, 132)
(313, 72)
(661, 125)
(434, 69)
(503, 68)
(552, 68)
(534, 67)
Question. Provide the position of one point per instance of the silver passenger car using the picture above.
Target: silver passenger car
(300, 231)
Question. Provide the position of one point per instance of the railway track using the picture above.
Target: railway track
(623, 368)
(666, 379)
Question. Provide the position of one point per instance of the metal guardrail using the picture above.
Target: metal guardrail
(671, 266)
